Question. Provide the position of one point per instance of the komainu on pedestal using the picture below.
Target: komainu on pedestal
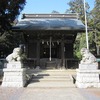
(88, 73)
(14, 74)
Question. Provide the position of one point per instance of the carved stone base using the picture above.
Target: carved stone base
(14, 65)
(14, 77)
(93, 66)
(87, 78)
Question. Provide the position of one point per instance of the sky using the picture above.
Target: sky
(47, 6)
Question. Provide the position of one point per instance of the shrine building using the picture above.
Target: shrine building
(49, 38)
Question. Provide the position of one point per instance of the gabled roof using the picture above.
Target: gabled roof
(50, 22)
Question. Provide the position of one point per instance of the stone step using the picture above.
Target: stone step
(30, 71)
(48, 70)
(51, 78)
(51, 84)
(49, 73)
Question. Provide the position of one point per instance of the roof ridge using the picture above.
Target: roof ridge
(72, 15)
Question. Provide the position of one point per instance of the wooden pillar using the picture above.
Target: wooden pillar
(38, 53)
(62, 55)
(50, 48)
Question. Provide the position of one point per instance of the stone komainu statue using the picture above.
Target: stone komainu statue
(15, 56)
(87, 57)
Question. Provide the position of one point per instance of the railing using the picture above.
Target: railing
(71, 63)
(30, 63)
(54, 63)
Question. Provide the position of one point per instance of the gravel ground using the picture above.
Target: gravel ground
(29, 93)
(49, 94)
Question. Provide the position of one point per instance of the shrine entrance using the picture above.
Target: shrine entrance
(49, 49)
(45, 51)
(49, 53)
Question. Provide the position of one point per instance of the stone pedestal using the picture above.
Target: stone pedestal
(14, 75)
(15, 65)
(88, 66)
(87, 76)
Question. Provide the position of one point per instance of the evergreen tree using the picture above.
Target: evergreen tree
(96, 24)
(9, 11)
(77, 6)
(55, 12)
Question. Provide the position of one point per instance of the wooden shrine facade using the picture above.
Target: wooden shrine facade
(49, 38)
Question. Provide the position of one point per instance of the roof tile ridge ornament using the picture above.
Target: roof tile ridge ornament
(71, 15)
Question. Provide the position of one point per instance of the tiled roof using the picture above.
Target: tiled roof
(38, 22)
